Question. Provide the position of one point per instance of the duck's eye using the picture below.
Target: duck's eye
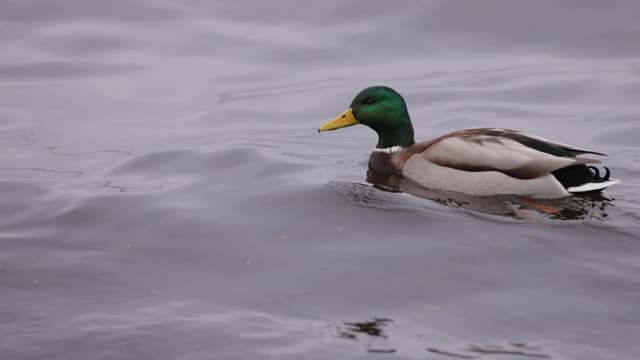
(369, 101)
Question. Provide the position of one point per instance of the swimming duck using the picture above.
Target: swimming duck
(480, 162)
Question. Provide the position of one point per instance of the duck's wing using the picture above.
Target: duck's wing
(482, 150)
(535, 142)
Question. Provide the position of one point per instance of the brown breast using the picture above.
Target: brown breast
(382, 163)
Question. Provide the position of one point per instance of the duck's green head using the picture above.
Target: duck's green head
(382, 109)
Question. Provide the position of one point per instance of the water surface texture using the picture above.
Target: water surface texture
(165, 194)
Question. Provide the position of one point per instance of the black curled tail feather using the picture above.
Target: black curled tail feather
(596, 174)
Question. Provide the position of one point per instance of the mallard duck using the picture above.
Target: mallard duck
(480, 162)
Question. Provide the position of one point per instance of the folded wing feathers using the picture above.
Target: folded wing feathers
(493, 153)
(569, 148)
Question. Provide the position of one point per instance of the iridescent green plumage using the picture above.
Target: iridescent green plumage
(385, 111)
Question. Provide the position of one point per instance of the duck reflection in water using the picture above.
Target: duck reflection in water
(374, 335)
(578, 207)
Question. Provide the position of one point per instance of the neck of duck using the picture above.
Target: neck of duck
(391, 139)
(400, 135)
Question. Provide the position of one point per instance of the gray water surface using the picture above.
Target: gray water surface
(165, 194)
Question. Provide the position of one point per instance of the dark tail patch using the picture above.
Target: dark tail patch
(577, 175)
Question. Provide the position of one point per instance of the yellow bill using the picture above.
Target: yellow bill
(344, 120)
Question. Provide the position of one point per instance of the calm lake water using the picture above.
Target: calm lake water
(165, 194)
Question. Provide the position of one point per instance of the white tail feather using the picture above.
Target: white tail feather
(592, 186)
